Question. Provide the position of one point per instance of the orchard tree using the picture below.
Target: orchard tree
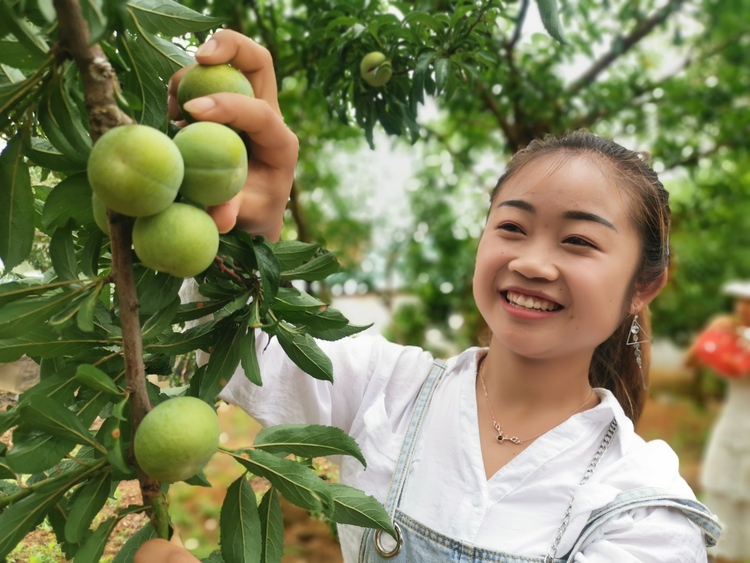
(83, 88)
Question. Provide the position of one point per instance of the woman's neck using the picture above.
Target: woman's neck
(533, 382)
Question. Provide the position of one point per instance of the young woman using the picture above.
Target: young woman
(524, 450)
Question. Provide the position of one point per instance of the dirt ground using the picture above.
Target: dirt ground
(669, 415)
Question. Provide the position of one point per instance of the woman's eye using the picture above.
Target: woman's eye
(510, 227)
(578, 241)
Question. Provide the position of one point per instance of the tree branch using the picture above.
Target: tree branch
(509, 46)
(622, 45)
(100, 91)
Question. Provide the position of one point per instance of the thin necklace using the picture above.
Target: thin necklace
(502, 437)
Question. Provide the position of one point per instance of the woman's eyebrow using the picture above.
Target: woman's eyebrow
(571, 215)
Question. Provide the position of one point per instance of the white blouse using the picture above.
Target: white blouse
(521, 507)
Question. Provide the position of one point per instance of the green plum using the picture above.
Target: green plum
(182, 240)
(135, 170)
(375, 69)
(204, 80)
(176, 439)
(215, 160)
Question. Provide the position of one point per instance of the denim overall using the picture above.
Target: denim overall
(417, 543)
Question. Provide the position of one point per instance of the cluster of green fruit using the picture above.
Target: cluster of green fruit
(164, 183)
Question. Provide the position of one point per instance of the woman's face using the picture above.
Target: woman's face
(556, 260)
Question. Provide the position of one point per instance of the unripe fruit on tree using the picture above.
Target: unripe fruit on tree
(204, 80)
(176, 439)
(182, 240)
(100, 213)
(215, 162)
(375, 69)
(135, 170)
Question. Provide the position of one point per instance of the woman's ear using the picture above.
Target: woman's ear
(644, 295)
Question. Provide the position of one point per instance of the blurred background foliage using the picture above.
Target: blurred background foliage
(662, 76)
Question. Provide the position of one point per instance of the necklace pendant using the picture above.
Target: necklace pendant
(505, 438)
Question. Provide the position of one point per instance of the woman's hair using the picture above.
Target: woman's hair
(614, 364)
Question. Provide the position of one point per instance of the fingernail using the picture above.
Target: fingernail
(206, 49)
(199, 105)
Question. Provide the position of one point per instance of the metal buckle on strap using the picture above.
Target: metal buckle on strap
(382, 551)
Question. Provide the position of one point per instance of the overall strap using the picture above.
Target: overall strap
(404, 461)
(647, 497)
(412, 433)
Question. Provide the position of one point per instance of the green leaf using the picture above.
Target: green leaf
(26, 34)
(352, 506)
(42, 342)
(442, 69)
(299, 484)
(199, 480)
(62, 253)
(16, 205)
(198, 337)
(308, 440)
(268, 268)
(551, 19)
(249, 358)
(305, 352)
(15, 54)
(51, 417)
(156, 290)
(318, 268)
(197, 309)
(68, 200)
(93, 548)
(19, 317)
(160, 321)
(88, 502)
(271, 527)
(85, 315)
(292, 299)
(97, 380)
(144, 83)
(170, 18)
(240, 524)
(127, 551)
(95, 18)
(292, 253)
(33, 451)
(224, 359)
(23, 516)
(42, 153)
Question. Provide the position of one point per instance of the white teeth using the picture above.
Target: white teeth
(530, 302)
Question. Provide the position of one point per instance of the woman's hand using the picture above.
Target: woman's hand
(163, 551)
(272, 156)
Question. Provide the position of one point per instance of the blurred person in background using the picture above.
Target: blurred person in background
(723, 347)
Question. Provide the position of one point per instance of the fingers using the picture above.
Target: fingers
(272, 141)
(227, 46)
(163, 551)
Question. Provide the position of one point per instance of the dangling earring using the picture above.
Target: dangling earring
(636, 337)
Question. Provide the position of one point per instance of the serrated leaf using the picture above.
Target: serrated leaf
(271, 527)
(88, 502)
(85, 315)
(26, 33)
(292, 253)
(97, 379)
(198, 337)
(292, 299)
(15, 54)
(160, 321)
(127, 551)
(306, 354)
(170, 18)
(156, 290)
(93, 548)
(319, 268)
(551, 19)
(308, 440)
(352, 506)
(42, 153)
(68, 200)
(299, 484)
(16, 205)
(33, 451)
(51, 417)
(144, 83)
(62, 253)
(240, 524)
(198, 309)
(442, 69)
(249, 358)
(199, 480)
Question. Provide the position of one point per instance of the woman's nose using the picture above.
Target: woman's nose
(535, 262)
